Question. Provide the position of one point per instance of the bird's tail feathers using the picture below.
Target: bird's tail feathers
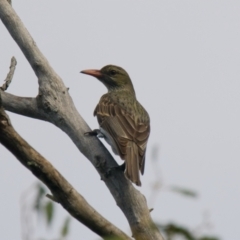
(132, 163)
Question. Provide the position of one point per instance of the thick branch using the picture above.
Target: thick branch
(22, 105)
(55, 103)
(25, 41)
(65, 194)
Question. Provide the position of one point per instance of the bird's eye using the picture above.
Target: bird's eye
(113, 72)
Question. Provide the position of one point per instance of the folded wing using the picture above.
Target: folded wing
(129, 134)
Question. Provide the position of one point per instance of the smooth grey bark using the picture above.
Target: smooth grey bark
(54, 104)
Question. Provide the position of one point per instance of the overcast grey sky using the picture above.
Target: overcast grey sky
(183, 58)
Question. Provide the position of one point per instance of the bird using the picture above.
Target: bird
(123, 121)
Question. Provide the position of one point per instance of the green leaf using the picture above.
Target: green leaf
(172, 229)
(41, 191)
(183, 191)
(208, 238)
(49, 210)
(65, 227)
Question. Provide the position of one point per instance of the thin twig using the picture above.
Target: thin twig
(9, 77)
(51, 197)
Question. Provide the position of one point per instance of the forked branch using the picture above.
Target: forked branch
(65, 194)
(54, 104)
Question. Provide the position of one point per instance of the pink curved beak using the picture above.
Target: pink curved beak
(92, 72)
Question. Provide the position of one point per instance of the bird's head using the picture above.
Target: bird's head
(113, 77)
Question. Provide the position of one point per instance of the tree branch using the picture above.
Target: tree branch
(10, 74)
(65, 194)
(22, 105)
(56, 106)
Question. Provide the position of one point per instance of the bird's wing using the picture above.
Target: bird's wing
(124, 129)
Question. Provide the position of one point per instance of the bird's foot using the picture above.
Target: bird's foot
(95, 132)
(120, 167)
(111, 170)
